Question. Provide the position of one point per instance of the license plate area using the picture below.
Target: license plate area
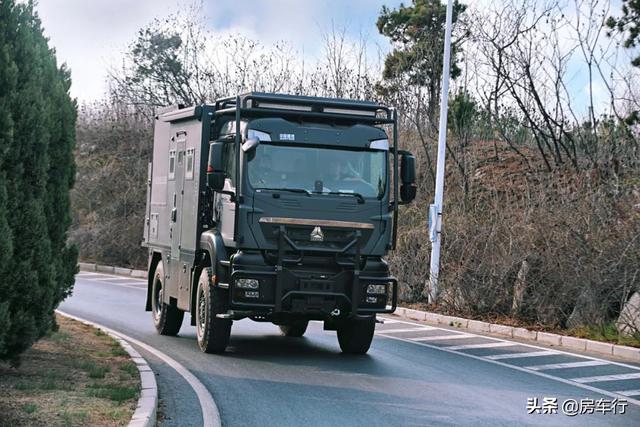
(316, 286)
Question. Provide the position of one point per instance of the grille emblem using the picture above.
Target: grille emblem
(317, 235)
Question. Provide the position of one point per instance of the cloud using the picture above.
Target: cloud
(90, 36)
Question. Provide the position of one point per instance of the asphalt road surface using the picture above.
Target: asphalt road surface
(413, 375)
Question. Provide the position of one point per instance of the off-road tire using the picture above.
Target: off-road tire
(166, 318)
(212, 333)
(294, 329)
(355, 334)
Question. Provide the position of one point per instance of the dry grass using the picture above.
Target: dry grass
(567, 241)
(77, 376)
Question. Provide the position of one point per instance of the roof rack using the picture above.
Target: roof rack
(262, 104)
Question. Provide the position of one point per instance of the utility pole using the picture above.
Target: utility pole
(435, 210)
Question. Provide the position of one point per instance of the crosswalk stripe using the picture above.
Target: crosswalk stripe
(568, 365)
(485, 345)
(519, 355)
(629, 392)
(442, 337)
(393, 331)
(601, 378)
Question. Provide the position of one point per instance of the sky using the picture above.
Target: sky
(91, 35)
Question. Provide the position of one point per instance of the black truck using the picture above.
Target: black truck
(278, 208)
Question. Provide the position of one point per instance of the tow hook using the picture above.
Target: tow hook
(335, 312)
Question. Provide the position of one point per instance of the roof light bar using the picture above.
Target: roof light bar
(284, 106)
(350, 112)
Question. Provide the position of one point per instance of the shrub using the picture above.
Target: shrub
(37, 134)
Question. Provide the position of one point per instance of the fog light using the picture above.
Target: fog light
(377, 289)
(372, 300)
(251, 294)
(247, 283)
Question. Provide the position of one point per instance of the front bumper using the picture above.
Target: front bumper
(316, 287)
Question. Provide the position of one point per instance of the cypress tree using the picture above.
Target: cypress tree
(37, 137)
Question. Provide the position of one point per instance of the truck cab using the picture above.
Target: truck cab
(276, 208)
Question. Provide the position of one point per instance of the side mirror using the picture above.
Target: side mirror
(215, 173)
(407, 177)
(250, 144)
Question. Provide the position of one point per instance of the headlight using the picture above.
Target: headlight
(248, 283)
(377, 289)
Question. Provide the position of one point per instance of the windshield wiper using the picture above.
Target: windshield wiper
(290, 190)
(341, 193)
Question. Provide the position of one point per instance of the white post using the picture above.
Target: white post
(435, 210)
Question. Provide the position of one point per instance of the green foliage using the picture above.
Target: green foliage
(462, 112)
(157, 65)
(37, 134)
(629, 25)
(417, 33)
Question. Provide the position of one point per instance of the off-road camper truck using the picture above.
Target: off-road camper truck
(278, 208)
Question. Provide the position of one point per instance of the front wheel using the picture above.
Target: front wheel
(212, 333)
(355, 334)
(166, 318)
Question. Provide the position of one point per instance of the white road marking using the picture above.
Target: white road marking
(629, 392)
(107, 277)
(93, 277)
(132, 285)
(567, 365)
(393, 331)
(519, 355)
(601, 378)
(442, 337)
(210, 413)
(116, 279)
(121, 285)
(484, 345)
(540, 352)
(136, 284)
(518, 368)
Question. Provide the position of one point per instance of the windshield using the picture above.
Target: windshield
(319, 170)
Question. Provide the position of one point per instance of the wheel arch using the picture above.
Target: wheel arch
(211, 248)
(155, 258)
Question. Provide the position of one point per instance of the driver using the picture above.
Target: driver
(342, 177)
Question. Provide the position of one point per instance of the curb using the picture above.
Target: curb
(146, 410)
(138, 274)
(554, 340)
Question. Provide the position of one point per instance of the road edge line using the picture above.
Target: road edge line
(147, 416)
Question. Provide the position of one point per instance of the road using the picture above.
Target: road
(413, 375)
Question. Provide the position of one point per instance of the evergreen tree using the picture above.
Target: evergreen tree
(37, 137)
(629, 25)
(417, 33)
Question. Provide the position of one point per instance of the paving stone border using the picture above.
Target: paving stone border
(555, 340)
(146, 410)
